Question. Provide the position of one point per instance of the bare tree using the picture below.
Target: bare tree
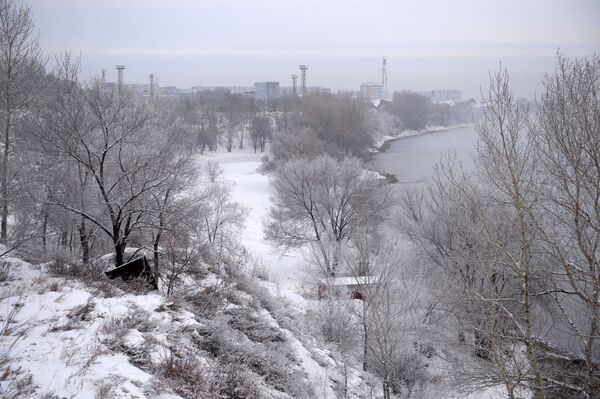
(114, 146)
(260, 132)
(207, 131)
(183, 247)
(223, 216)
(389, 308)
(21, 70)
(320, 201)
(568, 141)
(293, 144)
(213, 170)
(507, 161)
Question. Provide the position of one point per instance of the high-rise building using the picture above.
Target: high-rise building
(264, 91)
(371, 91)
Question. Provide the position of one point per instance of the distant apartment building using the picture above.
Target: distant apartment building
(371, 91)
(140, 89)
(169, 91)
(287, 91)
(241, 90)
(227, 89)
(443, 96)
(318, 90)
(265, 91)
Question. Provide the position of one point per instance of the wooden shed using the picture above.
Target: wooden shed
(353, 287)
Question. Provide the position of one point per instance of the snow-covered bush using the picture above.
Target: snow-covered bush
(255, 327)
(336, 323)
(273, 359)
(189, 376)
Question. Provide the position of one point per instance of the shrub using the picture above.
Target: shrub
(5, 272)
(136, 318)
(272, 359)
(189, 376)
(63, 267)
(256, 328)
(235, 382)
(409, 373)
(209, 300)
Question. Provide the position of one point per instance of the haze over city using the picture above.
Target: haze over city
(429, 44)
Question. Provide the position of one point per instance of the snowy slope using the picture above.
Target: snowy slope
(52, 334)
(252, 190)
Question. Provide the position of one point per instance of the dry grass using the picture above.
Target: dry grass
(15, 382)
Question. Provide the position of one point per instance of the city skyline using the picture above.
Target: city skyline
(431, 45)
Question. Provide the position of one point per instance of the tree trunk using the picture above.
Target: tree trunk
(592, 375)
(345, 377)
(64, 238)
(45, 231)
(119, 252)
(4, 184)
(85, 243)
(156, 259)
(386, 388)
(365, 336)
(242, 138)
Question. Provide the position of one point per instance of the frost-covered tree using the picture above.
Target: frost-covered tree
(108, 135)
(21, 72)
(567, 140)
(319, 202)
(516, 243)
(260, 132)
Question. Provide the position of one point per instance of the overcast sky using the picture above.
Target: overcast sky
(429, 44)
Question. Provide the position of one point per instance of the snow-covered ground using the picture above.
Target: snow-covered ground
(52, 336)
(252, 190)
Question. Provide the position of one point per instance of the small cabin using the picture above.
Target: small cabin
(351, 287)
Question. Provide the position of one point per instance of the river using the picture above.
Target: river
(411, 159)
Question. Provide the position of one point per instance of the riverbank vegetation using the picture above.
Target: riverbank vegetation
(512, 248)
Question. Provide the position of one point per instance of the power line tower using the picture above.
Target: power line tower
(294, 79)
(384, 79)
(120, 69)
(303, 69)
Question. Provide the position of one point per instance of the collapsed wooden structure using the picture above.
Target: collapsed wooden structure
(137, 269)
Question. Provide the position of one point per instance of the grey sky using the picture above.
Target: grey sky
(429, 44)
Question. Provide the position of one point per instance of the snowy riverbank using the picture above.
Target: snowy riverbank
(383, 142)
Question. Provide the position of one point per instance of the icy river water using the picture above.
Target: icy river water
(411, 159)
